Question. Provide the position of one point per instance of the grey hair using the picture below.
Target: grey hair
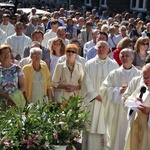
(35, 49)
(95, 30)
(146, 67)
(127, 50)
(104, 26)
(33, 17)
(102, 42)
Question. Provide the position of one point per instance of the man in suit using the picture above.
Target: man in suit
(33, 25)
(86, 34)
(91, 43)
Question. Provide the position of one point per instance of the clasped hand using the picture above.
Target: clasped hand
(71, 88)
(123, 88)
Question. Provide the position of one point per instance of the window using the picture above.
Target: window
(88, 2)
(138, 5)
(103, 3)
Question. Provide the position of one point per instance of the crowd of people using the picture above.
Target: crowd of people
(102, 58)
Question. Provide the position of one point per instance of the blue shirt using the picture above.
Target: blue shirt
(49, 25)
(91, 53)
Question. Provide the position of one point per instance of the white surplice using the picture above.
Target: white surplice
(115, 115)
(96, 70)
(138, 132)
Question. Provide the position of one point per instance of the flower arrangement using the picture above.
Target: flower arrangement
(40, 127)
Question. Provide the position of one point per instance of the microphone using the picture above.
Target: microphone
(142, 91)
(92, 100)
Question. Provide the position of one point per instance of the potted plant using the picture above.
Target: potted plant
(70, 121)
(42, 127)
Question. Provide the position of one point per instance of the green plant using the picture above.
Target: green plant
(31, 129)
(39, 127)
(70, 121)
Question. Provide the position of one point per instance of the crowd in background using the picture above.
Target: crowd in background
(94, 54)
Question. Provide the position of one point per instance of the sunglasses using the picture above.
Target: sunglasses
(130, 45)
(144, 44)
(71, 51)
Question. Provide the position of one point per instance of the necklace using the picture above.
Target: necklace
(70, 67)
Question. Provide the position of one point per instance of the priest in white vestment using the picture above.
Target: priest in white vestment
(135, 82)
(111, 91)
(138, 133)
(6, 26)
(3, 36)
(18, 41)
(96, 70)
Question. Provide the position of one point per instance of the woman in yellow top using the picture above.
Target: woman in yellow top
(68, 75)
(37, 78)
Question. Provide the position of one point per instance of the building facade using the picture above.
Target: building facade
(130, 5)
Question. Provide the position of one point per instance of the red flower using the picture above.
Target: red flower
(30, 143)
(55, 134)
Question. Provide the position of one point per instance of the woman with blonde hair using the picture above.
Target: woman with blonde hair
(141, 51)
(68, 75)
(124, 43)
(57, 49)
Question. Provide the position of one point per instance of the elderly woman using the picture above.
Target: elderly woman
(11, 76)
(68, 75)
(141, 47)
(37, 78)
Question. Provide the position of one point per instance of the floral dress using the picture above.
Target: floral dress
(9, 78)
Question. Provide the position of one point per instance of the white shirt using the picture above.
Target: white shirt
(113, 41)
(48, 35)
(18, 43)
(3, 37)
(8, 29)
(87, 47)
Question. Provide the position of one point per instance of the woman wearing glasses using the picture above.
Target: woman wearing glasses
(11, 78)
(57, 49)
(68, 75)
(37, 78)
(141, 51)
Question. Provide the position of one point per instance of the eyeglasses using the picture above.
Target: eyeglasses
(71, 51)
(13, 18)
(37, 54)
(145, 44)
(130, 45)
(57, 44)
(5, 53)
(19, 28)
(146, 78)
